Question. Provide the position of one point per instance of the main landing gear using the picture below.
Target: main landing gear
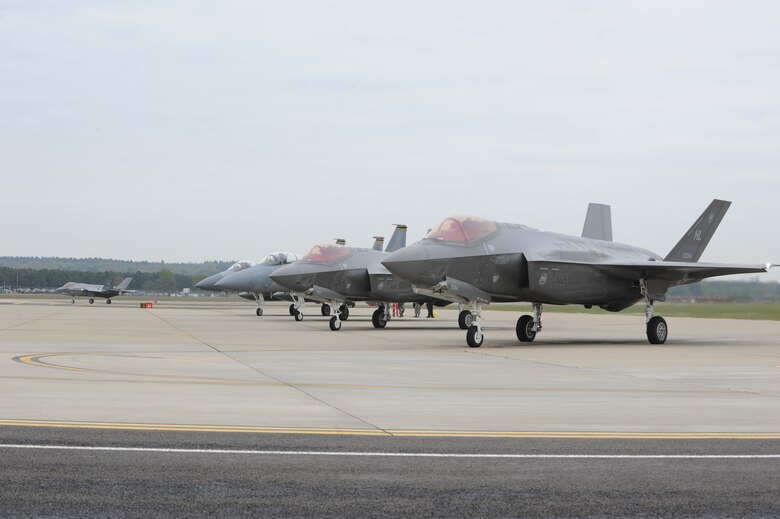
(528, 326)
(465, 319)
(380, 316)
(325, 310)
(72, 301)
(91, 300)
(108, 301)
(657, 330)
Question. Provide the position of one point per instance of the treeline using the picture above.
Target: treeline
(727, 291)
(163, 281)
(203, 269)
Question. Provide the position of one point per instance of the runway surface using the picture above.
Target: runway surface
(589, 420)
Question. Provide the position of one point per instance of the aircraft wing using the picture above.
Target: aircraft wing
(677, 272)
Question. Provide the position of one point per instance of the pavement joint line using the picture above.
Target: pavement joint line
(388, 432)
(375, 454)
(253, 368)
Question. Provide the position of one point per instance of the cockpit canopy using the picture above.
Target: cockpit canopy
(462, 229)
(240, 265)
(326, 254)
(279, 258)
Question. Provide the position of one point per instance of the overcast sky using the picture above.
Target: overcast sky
(187, 131)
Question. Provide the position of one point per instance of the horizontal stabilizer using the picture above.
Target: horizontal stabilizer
(692, 245)
(598, 222)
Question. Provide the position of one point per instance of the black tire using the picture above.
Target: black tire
(657, 330)
(378, 318)
(325, 310)
(343, 312)
(72, 301)
(474, 337)
(335, 324)
(292, 310)
(298, 316)
(91, 301)
(465, 320)
(259, 312)
(108, 301)
(523, 329)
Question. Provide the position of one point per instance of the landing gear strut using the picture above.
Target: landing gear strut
(474, 336)
(295, 308)
(259, 300)
(657, 330)
(528, 326)
(340, 313)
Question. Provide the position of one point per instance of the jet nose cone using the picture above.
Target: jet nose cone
(236, 282)
(210, 283)
(288, 276)
(408, 264)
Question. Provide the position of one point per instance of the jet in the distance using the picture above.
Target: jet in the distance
(255, 281)
(92, 291)
(210, 283)
(474, 262)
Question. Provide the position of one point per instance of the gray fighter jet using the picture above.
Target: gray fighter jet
(474, 262)
(210, 283)
(92, 291)
(255, 282)
(337, 276)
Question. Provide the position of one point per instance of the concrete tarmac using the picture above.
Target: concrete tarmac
(220, 365)
(272, 396)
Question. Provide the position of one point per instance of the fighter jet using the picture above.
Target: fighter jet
(92, 291)
(337, 275)
(473, 262)
(255, 282)
(210, 283)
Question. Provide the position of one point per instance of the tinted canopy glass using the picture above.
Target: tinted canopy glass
(326, 254)
(462, 229)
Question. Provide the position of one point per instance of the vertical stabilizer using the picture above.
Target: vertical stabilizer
(379, 243)
(598, 222)
(124, 284)
(693, 243)
(398, 239)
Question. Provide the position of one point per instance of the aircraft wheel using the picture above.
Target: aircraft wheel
(474, 337)
(108, 301)
(325, 310)
(298, 316)
(657, 330)
(335, 324)
(343, 312)
(465, 320)
(91, 300)
(292, 310)
(379, 319)
(524, 329)
(72, 301)
(259, 312)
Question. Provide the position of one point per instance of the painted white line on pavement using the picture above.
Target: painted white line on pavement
(391, 454)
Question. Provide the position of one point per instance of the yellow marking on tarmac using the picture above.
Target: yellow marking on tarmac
(391, 432)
